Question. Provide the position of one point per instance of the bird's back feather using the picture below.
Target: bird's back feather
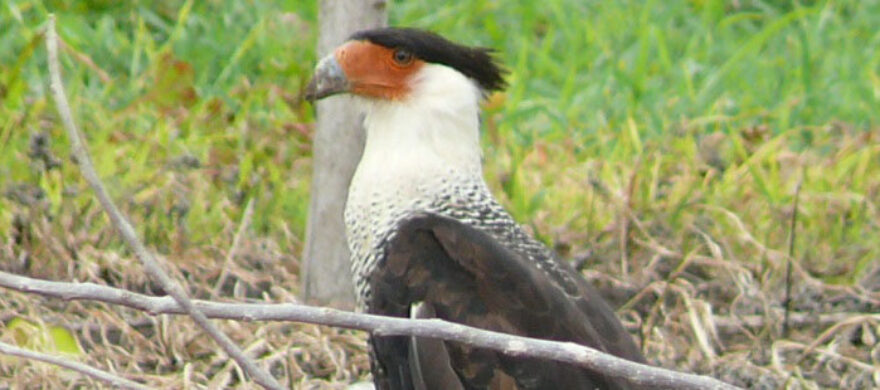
(467, 276)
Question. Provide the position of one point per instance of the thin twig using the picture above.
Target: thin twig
(625, 212)
(233, 249)
(791, 239)
(798, 319)
(100, 375)
(154, 270)
(829, 354)
(612, 366)
(827, 333)
(85, 59)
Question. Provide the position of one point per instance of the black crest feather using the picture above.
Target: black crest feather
(474, 62)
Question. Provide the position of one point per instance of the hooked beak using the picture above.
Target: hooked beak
(329, 79)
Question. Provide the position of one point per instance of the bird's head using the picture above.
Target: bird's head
(390, 63)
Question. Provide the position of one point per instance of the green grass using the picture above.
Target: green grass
(215, 80)
(697, 118)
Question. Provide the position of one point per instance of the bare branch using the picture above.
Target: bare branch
(638, 374)
(154, 270)
(100, 375)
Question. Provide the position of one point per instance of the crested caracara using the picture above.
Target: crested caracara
(427, 237)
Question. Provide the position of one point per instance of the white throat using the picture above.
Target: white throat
(431, 133)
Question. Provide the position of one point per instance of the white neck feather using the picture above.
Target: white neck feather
(432, 132)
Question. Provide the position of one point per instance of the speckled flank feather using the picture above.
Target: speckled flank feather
(458, 195)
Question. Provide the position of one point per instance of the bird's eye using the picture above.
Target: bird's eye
(402, 57)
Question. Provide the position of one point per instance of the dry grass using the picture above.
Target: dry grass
(172, 352)
(705, 299)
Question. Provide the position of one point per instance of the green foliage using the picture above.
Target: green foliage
(42, 338)
(683, 105)
(192, 108)
(179, 101)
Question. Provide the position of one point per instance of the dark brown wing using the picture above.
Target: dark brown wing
(464, 275)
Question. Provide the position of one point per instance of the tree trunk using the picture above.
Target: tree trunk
(338, 144)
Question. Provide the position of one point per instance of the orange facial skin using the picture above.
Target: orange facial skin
(376, 71)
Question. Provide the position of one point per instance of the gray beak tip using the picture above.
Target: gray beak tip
(329, 79)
